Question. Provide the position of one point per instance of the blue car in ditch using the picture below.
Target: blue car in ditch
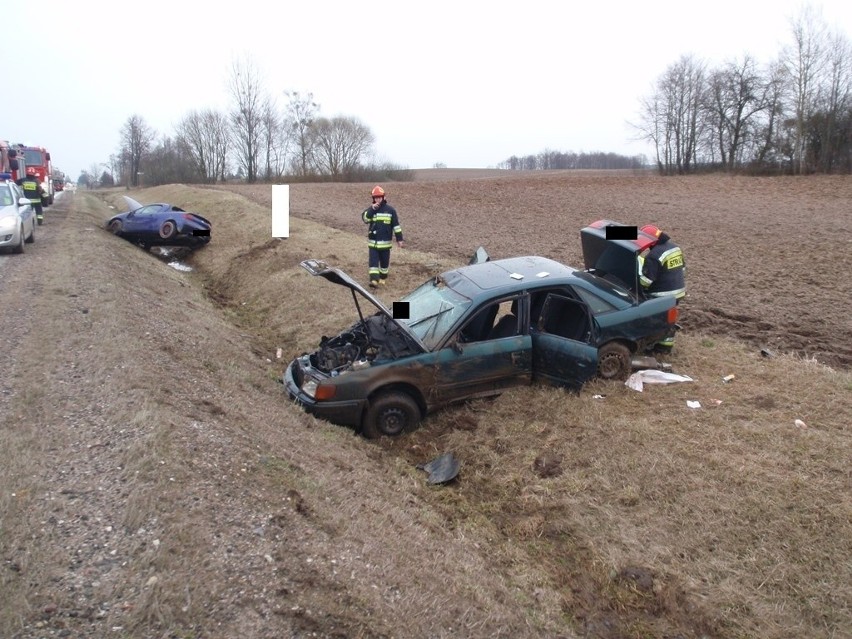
(160, 224)
(475, 331)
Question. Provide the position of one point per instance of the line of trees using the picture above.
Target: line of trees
(792, 116)
(254, 140)
(553, 160)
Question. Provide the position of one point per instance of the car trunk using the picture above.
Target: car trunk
(614, 259)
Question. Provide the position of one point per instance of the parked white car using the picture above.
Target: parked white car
(17, 217)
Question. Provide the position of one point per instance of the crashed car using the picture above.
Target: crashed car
(160, 225)
(472, 332)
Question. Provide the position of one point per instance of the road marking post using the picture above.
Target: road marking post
(280, 210)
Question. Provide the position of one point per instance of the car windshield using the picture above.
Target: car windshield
(433, 308)
(6, 197)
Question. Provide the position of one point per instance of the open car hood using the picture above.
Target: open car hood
(131, 203)
(319, 267)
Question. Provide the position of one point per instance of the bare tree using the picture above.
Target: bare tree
(301, 113)
(672, 117)
(247, 114)
(170, 162)
(205, 135)
(833, 105)
(136, 140)
(736, 95)
(93, 172)
(770, 143)
(804, 62)
(273, 140)
(341, 143)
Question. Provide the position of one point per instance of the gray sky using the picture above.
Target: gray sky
(467, 83)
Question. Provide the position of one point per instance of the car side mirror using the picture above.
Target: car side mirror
(458, 349)
(24, 201)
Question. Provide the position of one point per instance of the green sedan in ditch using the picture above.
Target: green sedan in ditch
(473, 332)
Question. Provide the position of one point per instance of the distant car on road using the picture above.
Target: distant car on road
(17, 217)
(471, 332)
(160, 225)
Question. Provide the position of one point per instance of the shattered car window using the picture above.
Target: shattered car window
(433, 309)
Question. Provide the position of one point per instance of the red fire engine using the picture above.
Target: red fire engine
(11, 161)
(39, 158)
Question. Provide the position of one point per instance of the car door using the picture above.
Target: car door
(489, 353)
(562, 343)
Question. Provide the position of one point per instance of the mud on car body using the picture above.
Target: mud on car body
(472, 332)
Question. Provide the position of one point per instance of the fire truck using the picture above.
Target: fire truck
(11, 161)
(39, 158)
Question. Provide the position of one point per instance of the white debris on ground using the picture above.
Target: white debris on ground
(637, 380)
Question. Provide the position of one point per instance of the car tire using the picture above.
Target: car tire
(168, 230)
(31, 238)
(115, 227)
(390, 414)
(20, 247)
(613, 361)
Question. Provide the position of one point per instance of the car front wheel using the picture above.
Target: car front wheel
(613, 361)
(114, 227)
(20, 247)
(390, 414)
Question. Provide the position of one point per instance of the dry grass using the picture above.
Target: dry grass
(738, 521)
(627, 516)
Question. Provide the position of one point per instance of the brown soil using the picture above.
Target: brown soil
(769, 259)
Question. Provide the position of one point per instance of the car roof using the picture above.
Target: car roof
(510, 274)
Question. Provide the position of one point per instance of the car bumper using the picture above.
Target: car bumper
(344, 413)
(10, 238)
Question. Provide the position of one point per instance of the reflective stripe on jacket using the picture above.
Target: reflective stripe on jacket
(32, 189)
(384, 225)
(662, 271)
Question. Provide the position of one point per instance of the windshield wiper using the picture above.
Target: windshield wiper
(440, 311)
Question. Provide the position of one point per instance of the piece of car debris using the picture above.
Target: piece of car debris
(766, 352)
(441, 469)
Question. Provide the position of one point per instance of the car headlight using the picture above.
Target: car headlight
(319, 392)
(309, 388)
(8, 222)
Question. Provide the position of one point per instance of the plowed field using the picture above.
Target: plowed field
(769, 260)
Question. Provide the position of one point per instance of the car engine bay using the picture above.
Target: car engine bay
(375, 339)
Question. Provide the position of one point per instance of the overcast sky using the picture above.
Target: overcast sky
(467, 83)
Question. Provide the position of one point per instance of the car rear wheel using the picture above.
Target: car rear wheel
(391, 414)
(168, 230)
(613, 361)
(114, 227)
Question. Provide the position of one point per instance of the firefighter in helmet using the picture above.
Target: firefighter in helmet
(33, 191)
(384, 227)
(662, 273)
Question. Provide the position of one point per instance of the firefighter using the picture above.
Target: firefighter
(33, 191)
(384, 227)
(662, 273)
